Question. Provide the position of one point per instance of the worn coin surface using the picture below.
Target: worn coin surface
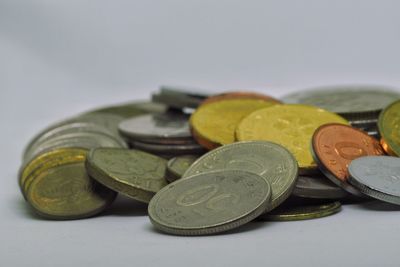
(351, 101)
(177, 166)
(389, 128)
(334, 146)
(214, 124)
(239, 95)
(302, 212)
(319, 188)
(377, 177)
(209, 203)
(291, 126)
(134, 173)
(269, 160)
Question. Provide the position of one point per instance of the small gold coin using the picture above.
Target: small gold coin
(214, 124)
(291, 126)
(389, 128)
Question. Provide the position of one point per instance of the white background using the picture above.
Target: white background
(60, 58)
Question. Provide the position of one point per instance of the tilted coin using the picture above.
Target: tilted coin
(239, 95)
(291, 126)
(167, 128)
(128, 110)
(134, 173)
(389, 128)
(334, 146)
(271, 161)
(209, 203)
(319, 188)
(214, 124)
(178, 149)
(177, 166)
(176, 101)
(352, 101)
(172, 90)
(377, 177)
(302, 212)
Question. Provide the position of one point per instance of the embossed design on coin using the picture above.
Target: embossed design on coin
(209, 203)
(389, 128)
(269, 160)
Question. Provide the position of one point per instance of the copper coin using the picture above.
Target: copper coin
(239, 95)
(334, 146)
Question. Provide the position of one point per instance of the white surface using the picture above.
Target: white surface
(57, 59)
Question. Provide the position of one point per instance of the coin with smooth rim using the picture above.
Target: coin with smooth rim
(177, 149)
(134, 173)
(269, 160)
(377, 177)
(319, 188)
(209, 203)
(389, 128)
(291, 126)
(239, 95)
(177, 166)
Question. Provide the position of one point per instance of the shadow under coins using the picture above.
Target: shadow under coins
(377, 205)
(124, 206)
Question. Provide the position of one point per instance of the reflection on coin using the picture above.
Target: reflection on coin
(269, 160)
(209, 203)
(177, 166)
(377, 177)
(389, 128)
(352, 102)
(334, 146)
(302, 212)
(134, 173)
(291, 126)
(319, 188)
(179, 149)
(214, 124)
(239, 95)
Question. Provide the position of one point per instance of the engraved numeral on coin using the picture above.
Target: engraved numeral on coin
(349, 150)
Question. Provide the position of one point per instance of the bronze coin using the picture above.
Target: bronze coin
(334, 146)
(239, 95)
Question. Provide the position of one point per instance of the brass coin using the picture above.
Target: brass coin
(389, 128)
(239, 95)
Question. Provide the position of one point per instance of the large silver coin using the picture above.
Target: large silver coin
(209, 203)
(269, 160)
(320, 188)
(167, 128)
(352, 102)
(377, 177)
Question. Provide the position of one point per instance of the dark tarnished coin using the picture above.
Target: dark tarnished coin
(178, 149)
(177, 166)
(134, 173)
(319, 188)
(389, 128)
(209, 203)
(269, 160)
(377, 177)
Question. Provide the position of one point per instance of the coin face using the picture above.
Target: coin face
(354, 101)
(389, 128)
(377, 177)
(291, 126)
(269, 160)
(334, 146)
(134, 173)
(239, 95)
(177, 166)
(209, 203)
(214, 124)
(318, 188)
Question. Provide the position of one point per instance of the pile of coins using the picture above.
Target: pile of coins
(209, 164)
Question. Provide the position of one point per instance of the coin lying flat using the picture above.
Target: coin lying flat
(334, 146)
(319, 188)
(128, 110)
(269, 160)
(291, 126)
(177, 149)
(389, 128)
(214, 124)
(134, 173)
(377, 177)
(239, 95)
(302, 212)
(177, 166)
(209, 203)
(352, 101)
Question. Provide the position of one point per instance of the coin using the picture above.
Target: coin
(209, 203)
(389, 128)
(377, 177)
(334, 146)
(239, 95)
(177, 101)
(291, 126)
(214, 124)
(351, 101)
(173, 90)
(302, 212)
(128, 110)
(167, 128)
(319, 188)
(157, 149)
(177, 166)
(271, 161)
(134, 173)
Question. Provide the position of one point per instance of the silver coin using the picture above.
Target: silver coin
(209, 203)
(172, 90)
(182, 149)
(269, 160)
(176, 101)
(169, 128)
(320, 188)
(377, 177)
(177, 166)
(352, 102)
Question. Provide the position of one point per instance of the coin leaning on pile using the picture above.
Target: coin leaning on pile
(208, 164)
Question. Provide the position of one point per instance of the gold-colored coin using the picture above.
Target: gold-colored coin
(214, 124)
(389, 128)
(291, 126)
